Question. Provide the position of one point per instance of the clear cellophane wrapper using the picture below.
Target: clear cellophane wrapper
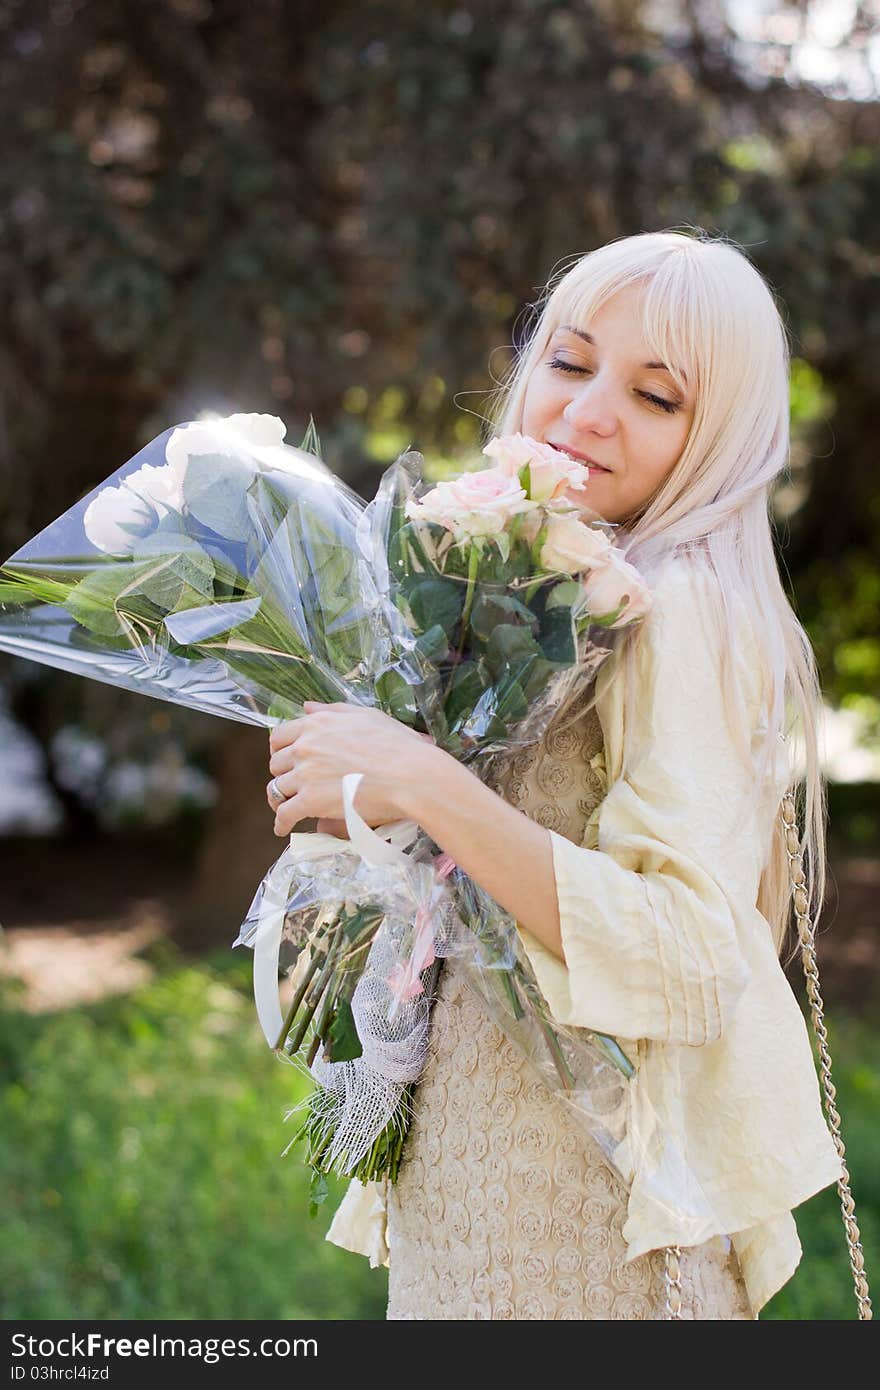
(218, 571)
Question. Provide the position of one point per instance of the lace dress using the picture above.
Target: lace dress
(504, 1207)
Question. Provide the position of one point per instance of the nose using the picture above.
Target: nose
(591, 408)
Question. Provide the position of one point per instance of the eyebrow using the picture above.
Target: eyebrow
(588, 338)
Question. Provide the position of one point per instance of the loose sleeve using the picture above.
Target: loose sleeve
(652, 920)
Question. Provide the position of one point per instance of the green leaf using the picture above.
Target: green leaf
(179, 579)
(436, 601)
(608, 619)
(342, 1043)
(511, 701)
(93, 602)
(491, 608)
(215, 492)
(11, 591)
(311, 443)
(525, 479)
(433, 644)
(508, 644)
(557, 636)
(466, 689)
(396, 697)
(318, 1191)
(279, 708)
(565, 594)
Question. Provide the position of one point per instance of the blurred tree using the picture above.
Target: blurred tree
(345, 210)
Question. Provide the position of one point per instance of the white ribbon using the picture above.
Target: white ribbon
(384, 845)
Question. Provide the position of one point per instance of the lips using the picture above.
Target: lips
(579, 457)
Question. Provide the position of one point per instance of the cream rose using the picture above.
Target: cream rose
(572, 547)
(476, 504)
(551, 472)
(617, 585)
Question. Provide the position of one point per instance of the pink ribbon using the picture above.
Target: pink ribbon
(404, 981)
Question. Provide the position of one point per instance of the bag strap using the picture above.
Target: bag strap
(807, 938)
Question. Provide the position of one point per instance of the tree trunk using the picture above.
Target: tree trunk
(239, 845)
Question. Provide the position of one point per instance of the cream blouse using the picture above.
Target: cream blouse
(663, 944)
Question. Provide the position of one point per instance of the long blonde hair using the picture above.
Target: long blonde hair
(708, 313)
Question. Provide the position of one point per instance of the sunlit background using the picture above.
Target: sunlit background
(340, 213)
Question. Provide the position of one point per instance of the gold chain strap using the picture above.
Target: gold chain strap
(672, 1280)
(806, 936)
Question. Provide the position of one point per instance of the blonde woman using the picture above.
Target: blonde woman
(639, 846)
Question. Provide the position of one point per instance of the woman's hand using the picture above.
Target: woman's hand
(311, 755)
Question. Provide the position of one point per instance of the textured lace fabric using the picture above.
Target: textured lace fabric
(504, 1206)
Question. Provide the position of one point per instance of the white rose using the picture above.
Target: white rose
(119, 517)
(229, 435)
(265, 430)
(116, 518)
(162, 486)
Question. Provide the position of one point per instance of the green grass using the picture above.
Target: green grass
(140, 1163)
(141, 1173)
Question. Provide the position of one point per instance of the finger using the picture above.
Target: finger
(288, 785)
(290, 814)
(282, 733)
(282, 761)
(331, 825)
(311, 705)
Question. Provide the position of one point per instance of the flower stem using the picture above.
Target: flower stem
(473, 566)
(297, 1001)
(318, 988)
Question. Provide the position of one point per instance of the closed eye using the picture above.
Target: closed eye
(669, 406)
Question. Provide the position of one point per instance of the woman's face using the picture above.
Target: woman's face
(603, 401)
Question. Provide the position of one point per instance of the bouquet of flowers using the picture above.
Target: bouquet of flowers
(228, 571)
(501, 583)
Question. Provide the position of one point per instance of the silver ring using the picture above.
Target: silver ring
(275, 792)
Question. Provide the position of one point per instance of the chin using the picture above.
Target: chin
(585, 507)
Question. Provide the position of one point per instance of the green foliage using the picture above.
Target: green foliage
(141, 1162)
(809, 396)
(822, 1286)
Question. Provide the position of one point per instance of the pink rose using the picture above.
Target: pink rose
(551, 472)
(616, 587)
(572, 547)
(476, 504)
